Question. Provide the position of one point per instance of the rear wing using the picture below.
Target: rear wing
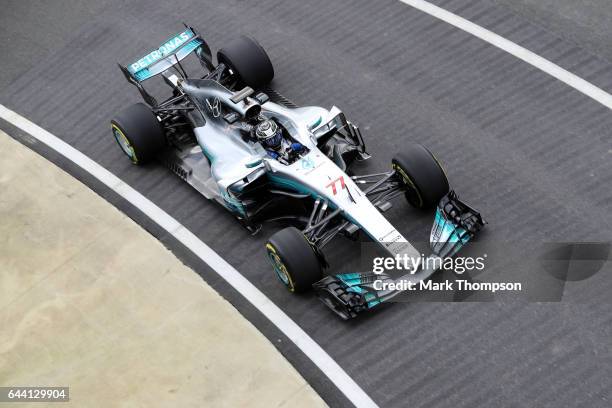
(170, 53)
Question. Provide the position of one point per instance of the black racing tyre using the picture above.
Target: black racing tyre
(138, 133)
(248, 60)
(295, 262)
(418, 168)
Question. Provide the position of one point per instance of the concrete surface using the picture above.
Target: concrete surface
(90, 300)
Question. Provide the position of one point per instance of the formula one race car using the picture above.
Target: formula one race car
(242, 144)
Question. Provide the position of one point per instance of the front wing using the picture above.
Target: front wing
(347, 295)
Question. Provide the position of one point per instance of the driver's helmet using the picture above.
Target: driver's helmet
(269, 134)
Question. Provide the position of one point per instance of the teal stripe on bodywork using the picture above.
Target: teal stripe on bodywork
(449, 229)
(291, 184)
(316, 123)
(353, 282)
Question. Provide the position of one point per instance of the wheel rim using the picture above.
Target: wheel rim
(279, 267)
(124, 144)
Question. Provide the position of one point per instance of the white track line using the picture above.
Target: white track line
(522, 53)
(304, 342)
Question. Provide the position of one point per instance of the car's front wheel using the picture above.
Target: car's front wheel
(294, 260)
(423, 176)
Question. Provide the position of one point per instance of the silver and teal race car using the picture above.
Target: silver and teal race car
(237, 141)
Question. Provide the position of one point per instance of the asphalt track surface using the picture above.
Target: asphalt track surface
(534, 154)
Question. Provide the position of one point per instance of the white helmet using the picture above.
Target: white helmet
(269, 134)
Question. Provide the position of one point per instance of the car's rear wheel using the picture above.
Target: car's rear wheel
(248, 61)
(138, 133)
(423, 176)
(294, 260)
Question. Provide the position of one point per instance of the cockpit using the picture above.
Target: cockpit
(277, 141)
(221, 108)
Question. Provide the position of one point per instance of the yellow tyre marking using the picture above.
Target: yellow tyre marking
(281, 265)
(439, 165)
(133, 158)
